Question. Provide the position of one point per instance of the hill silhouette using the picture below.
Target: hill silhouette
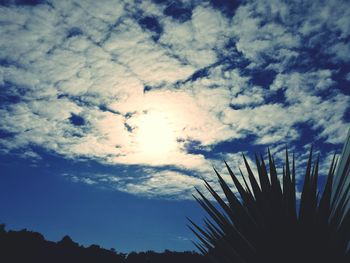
(28, 246)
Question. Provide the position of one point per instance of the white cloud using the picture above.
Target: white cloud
(194, 40)
(341, 51)
(299, 86)
(166, 183)
(252, 96)
(134, 48)
(258, 40)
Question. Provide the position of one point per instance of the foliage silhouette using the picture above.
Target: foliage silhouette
(27, 246)
(265, 222)
(167, 256)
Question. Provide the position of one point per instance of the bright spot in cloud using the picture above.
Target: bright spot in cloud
(155, 136)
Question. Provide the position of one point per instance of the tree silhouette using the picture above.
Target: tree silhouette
(26, 246)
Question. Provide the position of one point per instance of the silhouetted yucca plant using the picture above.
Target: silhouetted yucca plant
(265, 222)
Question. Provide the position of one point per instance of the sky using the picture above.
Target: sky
(111, 111)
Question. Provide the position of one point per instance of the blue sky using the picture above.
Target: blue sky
(112, 111)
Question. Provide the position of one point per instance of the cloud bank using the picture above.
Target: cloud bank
(87, 79)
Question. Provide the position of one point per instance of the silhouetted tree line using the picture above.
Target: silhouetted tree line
(27, 246)
(166, 257)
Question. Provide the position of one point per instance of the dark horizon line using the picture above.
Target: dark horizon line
(166, 250)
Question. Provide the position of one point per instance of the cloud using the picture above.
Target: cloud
(347, 77)
(167, 183)
(133, 84)
(340, 51)
(195, 40)
(259, 38)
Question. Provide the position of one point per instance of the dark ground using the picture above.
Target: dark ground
(27, 246)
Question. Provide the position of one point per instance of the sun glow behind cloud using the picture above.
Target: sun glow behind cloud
(159, 124)
(155, 136)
